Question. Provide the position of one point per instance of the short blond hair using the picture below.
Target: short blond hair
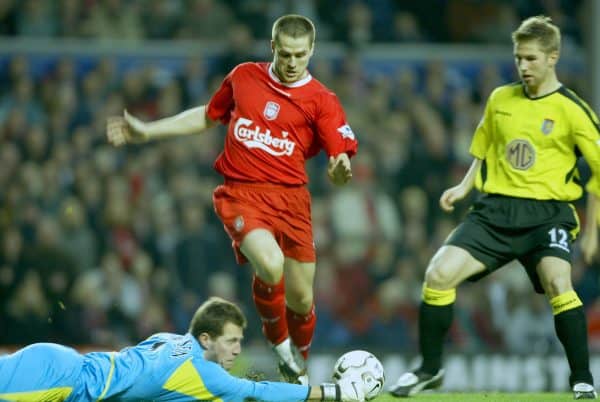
(293, 25)
(541, 29)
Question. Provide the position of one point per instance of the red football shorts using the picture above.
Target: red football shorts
(282, 210)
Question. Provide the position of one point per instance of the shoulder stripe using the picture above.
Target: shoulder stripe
(110, 376)
(579, 102)
(483, 174)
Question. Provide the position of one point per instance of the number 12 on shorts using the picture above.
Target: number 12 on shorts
(558, 238)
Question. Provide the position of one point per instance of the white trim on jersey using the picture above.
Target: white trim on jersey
(296, 84)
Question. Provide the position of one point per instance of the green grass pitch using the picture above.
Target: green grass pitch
(479, 396)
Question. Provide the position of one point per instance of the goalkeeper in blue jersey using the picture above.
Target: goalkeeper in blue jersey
(164, 367)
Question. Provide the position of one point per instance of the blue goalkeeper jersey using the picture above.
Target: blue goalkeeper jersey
(164, 367)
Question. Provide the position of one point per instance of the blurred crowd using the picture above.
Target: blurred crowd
(355, 22)
(106, 246)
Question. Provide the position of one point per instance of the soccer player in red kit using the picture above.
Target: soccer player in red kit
(278, 116)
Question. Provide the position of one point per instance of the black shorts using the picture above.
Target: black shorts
(499, 229)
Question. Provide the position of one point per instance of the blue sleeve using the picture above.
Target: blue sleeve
(229, 388)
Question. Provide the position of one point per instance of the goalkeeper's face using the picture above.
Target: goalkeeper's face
(224, 348)
(291, 56)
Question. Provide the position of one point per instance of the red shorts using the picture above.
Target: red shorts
(282, 210)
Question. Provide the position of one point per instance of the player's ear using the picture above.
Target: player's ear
(553, 57)
(204, 340)
(272, 46)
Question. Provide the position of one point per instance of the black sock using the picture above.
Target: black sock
(434, 323)
(571, 329)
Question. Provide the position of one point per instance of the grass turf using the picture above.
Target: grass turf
(479, 396)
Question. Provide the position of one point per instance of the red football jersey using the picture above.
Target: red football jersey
(274, 127)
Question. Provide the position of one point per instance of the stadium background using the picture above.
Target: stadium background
(100, 247)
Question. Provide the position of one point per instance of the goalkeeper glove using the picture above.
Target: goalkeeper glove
(346, 390)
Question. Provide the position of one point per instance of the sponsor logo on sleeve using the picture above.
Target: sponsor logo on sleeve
(346, 132)
(238, 223)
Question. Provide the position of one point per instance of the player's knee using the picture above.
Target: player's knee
(300, 301)
(438, 278)
(270, 266)
(558, 285)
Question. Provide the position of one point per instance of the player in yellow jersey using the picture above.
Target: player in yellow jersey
(525, 150)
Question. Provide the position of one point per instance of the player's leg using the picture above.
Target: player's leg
(269, 294)
(268, 290)
(296, 241)
(42, 371)
(247, 219)
(548, 263)
(569, 322)
(300, 311)
(449, 267)
(255, 218)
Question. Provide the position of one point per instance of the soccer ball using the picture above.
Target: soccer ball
(364, 365)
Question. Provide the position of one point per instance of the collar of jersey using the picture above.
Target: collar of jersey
(540, 97)
(296, 84)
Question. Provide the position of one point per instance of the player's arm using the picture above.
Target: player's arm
(589, 236)
(460, 191)
(347, 389)
(336, 137)
(586, 128)
(129, 129)
(482, 139)
(219, 383)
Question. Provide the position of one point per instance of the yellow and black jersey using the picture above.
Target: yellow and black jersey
(530, 146)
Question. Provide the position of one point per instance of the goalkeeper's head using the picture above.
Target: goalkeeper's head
(218, 325)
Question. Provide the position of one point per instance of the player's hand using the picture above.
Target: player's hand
(351, 389)
(125, 130)
(450, 196)
(339, 169)
(589, 245)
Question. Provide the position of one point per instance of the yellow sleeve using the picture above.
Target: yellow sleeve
(483, 133)
(587, 138)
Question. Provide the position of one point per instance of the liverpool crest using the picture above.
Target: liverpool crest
(271, 110)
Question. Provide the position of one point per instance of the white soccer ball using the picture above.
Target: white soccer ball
(364, 365)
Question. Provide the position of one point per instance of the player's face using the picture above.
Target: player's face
(291, 57)
(225, 348)
(533, 64)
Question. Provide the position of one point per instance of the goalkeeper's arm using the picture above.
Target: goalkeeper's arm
(345, 390)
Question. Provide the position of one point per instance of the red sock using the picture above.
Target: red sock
(302, 328)
(270, 303)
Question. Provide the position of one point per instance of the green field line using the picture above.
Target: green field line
(480, 396)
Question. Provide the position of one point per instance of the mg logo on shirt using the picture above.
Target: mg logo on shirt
(251, 136)
(520, 154)
(271, 110)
